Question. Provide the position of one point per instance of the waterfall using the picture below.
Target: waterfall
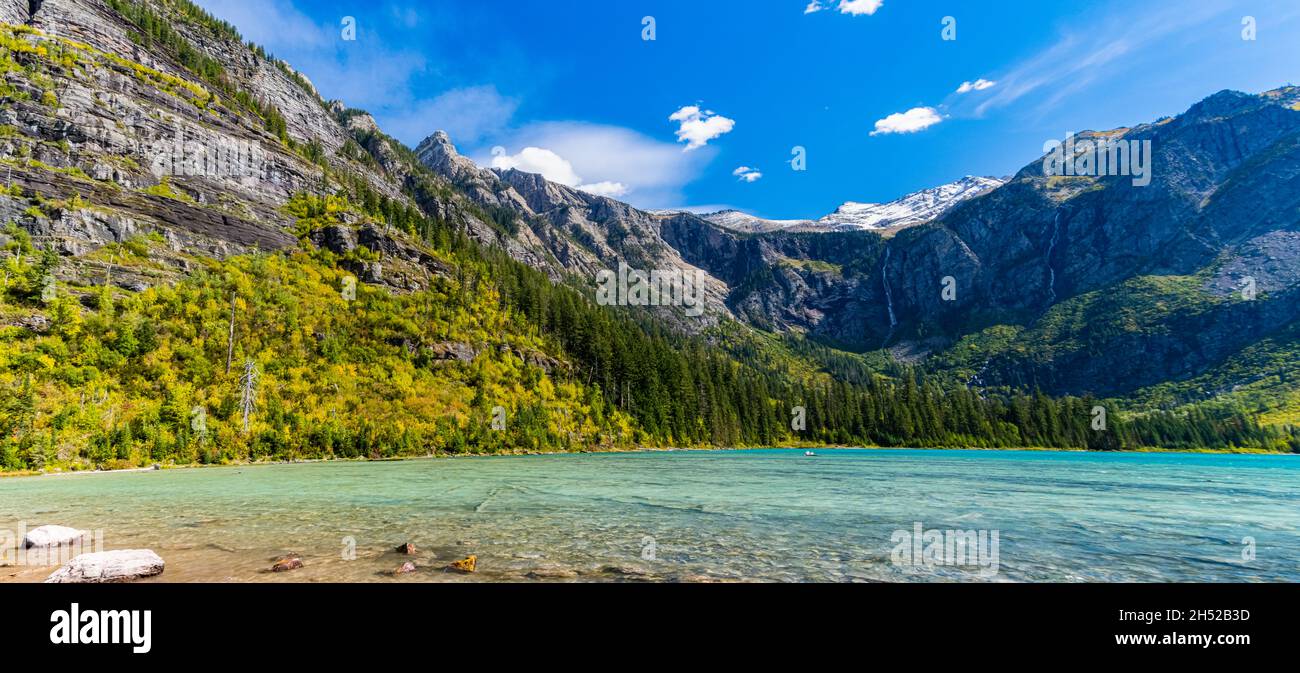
(889, 296)
(1051, 248)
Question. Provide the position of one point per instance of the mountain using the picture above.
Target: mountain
(1060, 280)
(202, 260)
(911, 210)
(565, 231)
(1057, 280)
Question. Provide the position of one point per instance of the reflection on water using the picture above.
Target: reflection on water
(762, 515)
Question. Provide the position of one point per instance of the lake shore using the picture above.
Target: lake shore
(814, 448)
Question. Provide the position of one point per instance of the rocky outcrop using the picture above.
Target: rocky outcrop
(109, 567)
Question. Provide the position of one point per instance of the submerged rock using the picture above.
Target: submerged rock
(109, 566)
(624, 570)
(467, 565)
(52, 536)
(286, 563)
(552, 573)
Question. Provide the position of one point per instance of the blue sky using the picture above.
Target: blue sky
(868, 88)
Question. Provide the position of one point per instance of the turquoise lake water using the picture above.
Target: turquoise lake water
(773, 515)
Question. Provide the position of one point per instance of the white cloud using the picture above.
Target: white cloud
(814, 6)
(916, 119)
(748, 174)
(544, 162)
(555, 168)
(978, 85)
(611, 189)
(860, 7)
(468, 115)
(617, 162)
(698, 127)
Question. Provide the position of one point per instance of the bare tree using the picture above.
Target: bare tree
(248, 391)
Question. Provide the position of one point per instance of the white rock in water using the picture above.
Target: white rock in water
(52, 536)
(108, 566)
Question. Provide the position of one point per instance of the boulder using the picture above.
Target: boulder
(286, 563)
(466, 565)
(123, 565)
(52, 536)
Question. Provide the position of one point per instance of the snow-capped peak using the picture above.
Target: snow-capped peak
(913, 209)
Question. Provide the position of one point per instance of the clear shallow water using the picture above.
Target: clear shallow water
(771, 515)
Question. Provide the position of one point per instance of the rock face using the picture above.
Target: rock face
(567, 231)
(16, 12)
(156, 148)
(52, 536)
(109, 567)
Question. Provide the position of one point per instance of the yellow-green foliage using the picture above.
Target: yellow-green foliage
(313, 212)
(164, 190)
(813, 265)
(339, 378)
